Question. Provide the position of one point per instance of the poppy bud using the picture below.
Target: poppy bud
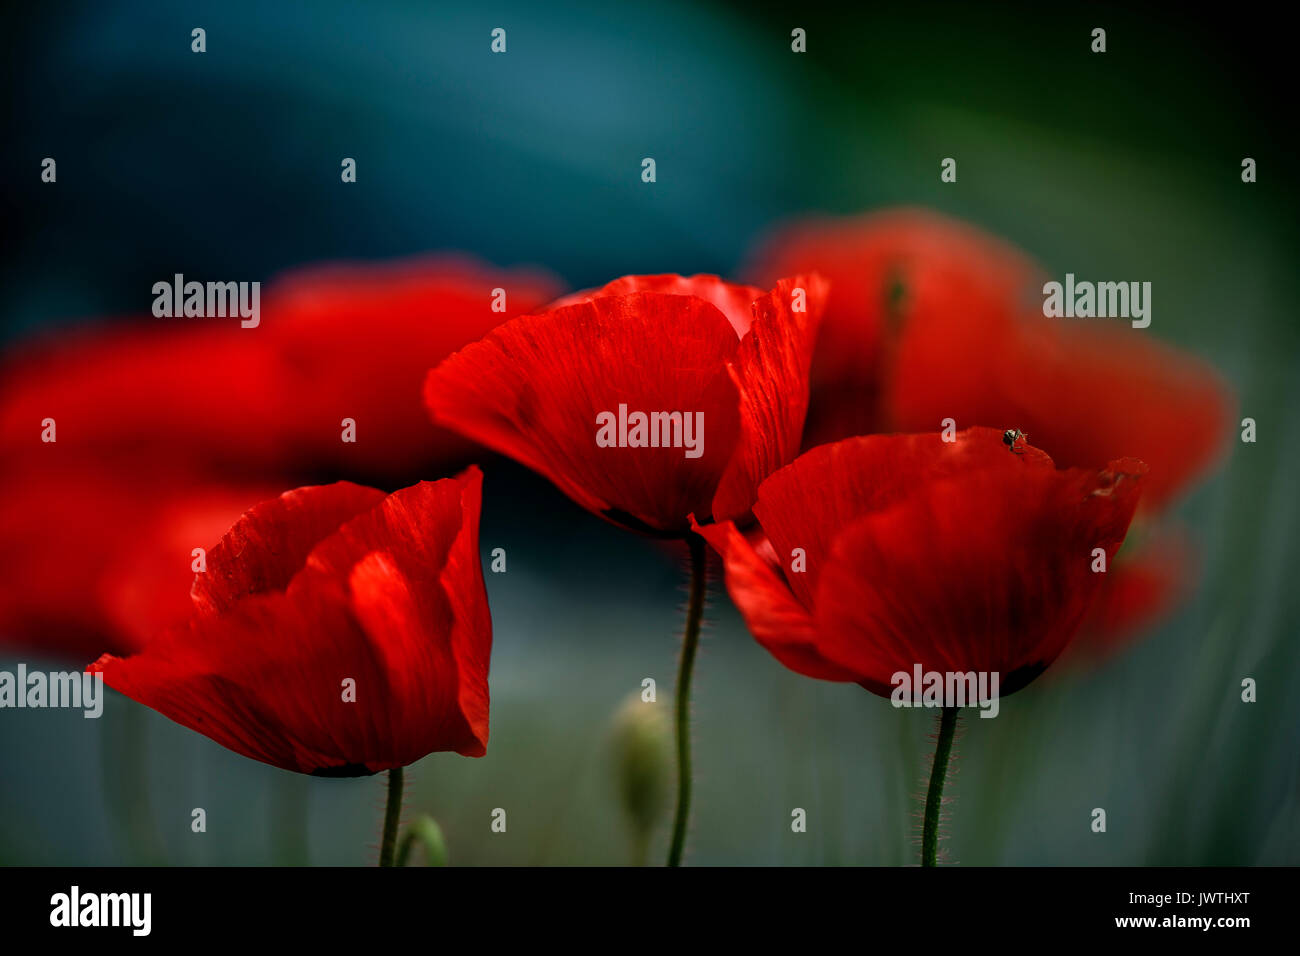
(641, 765)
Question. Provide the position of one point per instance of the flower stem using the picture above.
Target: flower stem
(934, 797)
(392, 814)
(682, 696)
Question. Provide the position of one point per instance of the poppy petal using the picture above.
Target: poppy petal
(148, 587)
(417, 590)
(774, 616)
(148, 387)
(96, 557)
(1090, 392)
(733, 300)
(357, 666)
(990, 572)
(537, 387)
(270, 398)
(269, 545)
(266, 680)
(884, 268)
(808, 502)
(1142, 586)
(399, 318)
(771, 374)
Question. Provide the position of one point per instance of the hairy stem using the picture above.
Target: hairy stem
(682, 698)
(934, 796)
(392, 814)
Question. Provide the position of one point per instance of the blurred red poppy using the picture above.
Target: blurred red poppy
(337, 631)
(1083, 393)
(333, 342)
(903, 550)
(717, 372)
(97, 557)
(357, 340)
(930, 319)
(167, 430)
(134, 390)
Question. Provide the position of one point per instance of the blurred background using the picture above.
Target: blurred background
(1119, 165)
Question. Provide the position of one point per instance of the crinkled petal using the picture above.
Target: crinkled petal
(733, 300)
(536, 389)
(363, 663)
(269, 545)
(771, 374)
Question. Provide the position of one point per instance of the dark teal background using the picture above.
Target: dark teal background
(1125, 164)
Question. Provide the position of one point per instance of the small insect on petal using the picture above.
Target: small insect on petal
(1013, 436)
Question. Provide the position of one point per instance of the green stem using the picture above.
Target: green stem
(934, 797)
(682, 699)
(392, 814)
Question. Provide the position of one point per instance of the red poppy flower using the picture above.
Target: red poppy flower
(333, 342)
(647, 400)
(962, 556)
(930, 319)
(337, 631)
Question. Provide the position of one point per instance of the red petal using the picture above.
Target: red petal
(732, 300)
(933, 261)
(771, 375)
(968, 341)
(265, 680)
(358, 340)
(96, 558)
(773, 615)
(1094, 391)
(1142, 586)
(534, 387)
(970, 345)
(375, 603)
(989, 571)
(471, 636)
(168, 388)
(956, 355)
(270, 544)
(809, 502)
(334, 342)
(417, 589)
(147, 588)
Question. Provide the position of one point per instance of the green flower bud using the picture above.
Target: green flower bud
(642, 752)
